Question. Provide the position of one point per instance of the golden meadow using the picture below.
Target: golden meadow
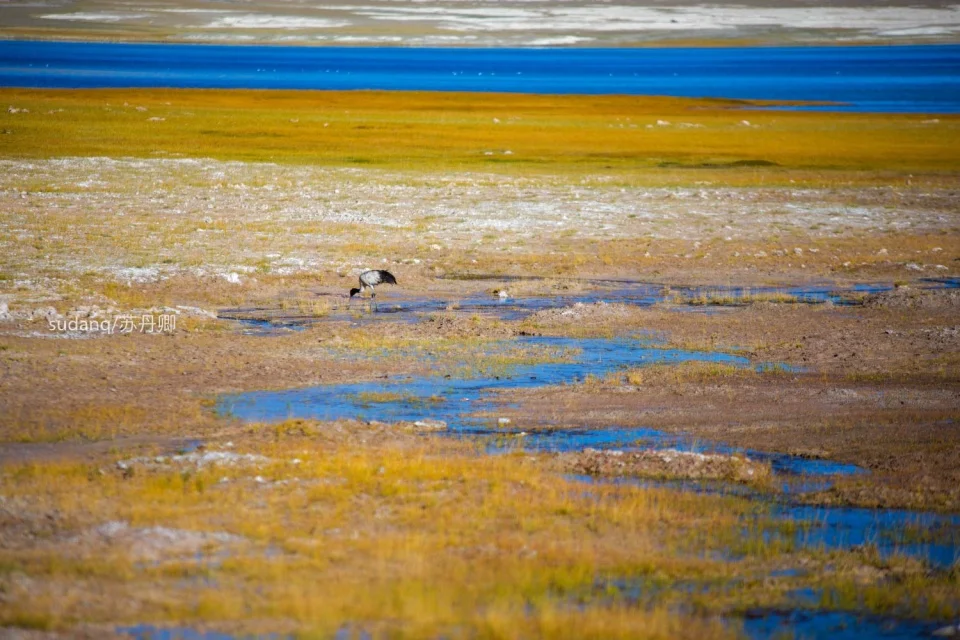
(730, 141)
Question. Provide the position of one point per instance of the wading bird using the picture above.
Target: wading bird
(370, 279)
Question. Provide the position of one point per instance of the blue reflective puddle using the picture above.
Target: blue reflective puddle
(458, 401)
(931, 537)
(757, 624)
(891, 531)
(839, 625)
(152, 632)
(466, 403)
(455, 400)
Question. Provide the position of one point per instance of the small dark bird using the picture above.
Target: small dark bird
(370, 279)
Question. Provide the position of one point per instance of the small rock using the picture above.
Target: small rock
(431, 425)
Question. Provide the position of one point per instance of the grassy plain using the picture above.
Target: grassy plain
(270, 203)
(618, 136)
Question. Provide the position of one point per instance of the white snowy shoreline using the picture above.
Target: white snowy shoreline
(510, 23)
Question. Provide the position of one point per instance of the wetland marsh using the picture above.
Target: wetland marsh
(627, 385)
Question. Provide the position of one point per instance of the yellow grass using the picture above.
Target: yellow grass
(444, 131)
(746, 296)
(418, 542)
(405, 540)
(691, 371)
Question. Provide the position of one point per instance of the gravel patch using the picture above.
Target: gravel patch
(668, 463)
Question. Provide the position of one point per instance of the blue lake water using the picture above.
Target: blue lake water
(911, 78)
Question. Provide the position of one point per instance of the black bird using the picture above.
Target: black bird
(369, 279)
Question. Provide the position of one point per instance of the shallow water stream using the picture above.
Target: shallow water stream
(469, 406)
(395, 307)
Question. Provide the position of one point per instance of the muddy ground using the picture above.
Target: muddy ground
(874, 384)
(258, 285)
(876, 387)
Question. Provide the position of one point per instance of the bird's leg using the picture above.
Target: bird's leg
(373, 299)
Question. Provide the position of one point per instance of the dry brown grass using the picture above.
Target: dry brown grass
(418, 541)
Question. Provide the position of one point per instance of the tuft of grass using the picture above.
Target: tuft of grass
(374, 397)
(694, 371)
(744, 297)
(305, 305)
(33, 620)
